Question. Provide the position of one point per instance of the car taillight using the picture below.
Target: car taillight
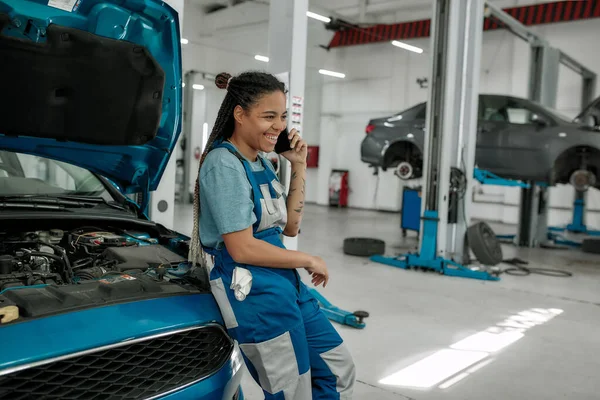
(369, 128)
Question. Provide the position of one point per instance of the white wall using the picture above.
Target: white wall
(381, 79)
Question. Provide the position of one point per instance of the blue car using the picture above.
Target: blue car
(96, 300)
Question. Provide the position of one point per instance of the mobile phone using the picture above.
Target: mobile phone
(283, 142)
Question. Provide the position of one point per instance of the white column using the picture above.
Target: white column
(162, 201)
(287, 59)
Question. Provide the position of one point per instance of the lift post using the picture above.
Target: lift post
(577, 225)
(451, 126)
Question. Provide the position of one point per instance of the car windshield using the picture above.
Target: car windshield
(25, 175)
(555, 113)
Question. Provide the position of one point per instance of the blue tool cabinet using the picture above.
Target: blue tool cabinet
(411, 210)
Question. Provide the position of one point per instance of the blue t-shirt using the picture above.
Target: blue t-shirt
(226, 203)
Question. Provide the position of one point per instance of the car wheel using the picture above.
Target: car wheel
(363, 247)
(582, 180)
(485, 244)
(404, 171)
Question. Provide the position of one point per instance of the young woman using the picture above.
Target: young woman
(290, 347)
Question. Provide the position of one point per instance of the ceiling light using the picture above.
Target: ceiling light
(407, 46)
(183, 84)
(318, 17)
(198, 87)
(184, 41)
(261, 58)
(332, 73)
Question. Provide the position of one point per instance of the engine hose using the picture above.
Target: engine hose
(84, 262)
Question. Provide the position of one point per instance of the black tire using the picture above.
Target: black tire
(591, 245)
(363, 247)
(485, 245)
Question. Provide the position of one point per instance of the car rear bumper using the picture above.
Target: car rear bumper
(371, 151)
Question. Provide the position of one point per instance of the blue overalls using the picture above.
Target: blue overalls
(290, 347)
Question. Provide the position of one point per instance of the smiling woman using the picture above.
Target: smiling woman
(241, 211)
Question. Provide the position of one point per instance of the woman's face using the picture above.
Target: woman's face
(260, 126)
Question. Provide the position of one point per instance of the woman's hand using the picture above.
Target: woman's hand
(299, 149)
(318, 271)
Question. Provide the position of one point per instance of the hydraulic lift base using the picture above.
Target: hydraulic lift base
(439, 265)
(338, 315)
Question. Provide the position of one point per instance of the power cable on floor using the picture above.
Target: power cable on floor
(519, 270)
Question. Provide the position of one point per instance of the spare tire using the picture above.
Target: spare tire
(591, 245)
(485, 244)
(363, 247)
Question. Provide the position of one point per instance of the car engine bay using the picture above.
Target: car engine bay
(52, 270)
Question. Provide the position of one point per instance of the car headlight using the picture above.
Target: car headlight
(236, 358)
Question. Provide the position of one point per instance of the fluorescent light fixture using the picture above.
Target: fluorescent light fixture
(261, 58)
(332, 73)
(562, 134)
(318, 17)
(434, 369)
(198, 87)
(183, 84)
(410, 136)
(407, 47)
(184, 41)
(204, 135)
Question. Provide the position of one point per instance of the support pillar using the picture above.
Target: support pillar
(543, 88)
(287, 59)
(162, 201)
(452, 118)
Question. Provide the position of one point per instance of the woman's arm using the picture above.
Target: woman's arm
(244, 248)
(295, 200)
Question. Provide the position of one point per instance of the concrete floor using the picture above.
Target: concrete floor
(415, 315)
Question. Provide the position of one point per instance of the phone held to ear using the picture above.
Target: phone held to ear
(283, 142)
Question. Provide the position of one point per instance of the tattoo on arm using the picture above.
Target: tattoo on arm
(294, 175)
(299, 209)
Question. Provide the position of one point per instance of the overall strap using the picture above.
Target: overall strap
(250, 176)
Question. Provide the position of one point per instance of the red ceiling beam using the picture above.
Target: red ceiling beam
(561, 11)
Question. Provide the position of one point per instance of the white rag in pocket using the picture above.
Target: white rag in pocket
(241, 283)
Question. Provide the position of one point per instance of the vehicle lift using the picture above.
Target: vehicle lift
(355, 319)
(545, 63)
(451, 126)
(576, 226)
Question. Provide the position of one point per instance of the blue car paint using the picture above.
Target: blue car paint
(155, 25)
(150, 23)
(49, 337)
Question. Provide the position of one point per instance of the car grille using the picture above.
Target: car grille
(143, 369)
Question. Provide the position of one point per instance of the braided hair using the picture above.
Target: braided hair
(244, 90)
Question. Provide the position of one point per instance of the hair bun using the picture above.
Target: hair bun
(222, 80)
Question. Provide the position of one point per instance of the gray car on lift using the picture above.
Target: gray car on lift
(516, 139)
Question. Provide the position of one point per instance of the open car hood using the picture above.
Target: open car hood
(590, 114)
(95, 83)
